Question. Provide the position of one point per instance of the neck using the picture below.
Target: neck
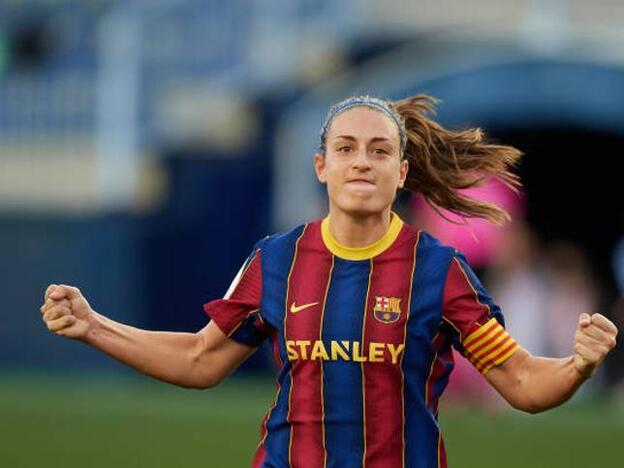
(358, 231)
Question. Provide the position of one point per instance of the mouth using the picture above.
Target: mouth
(363, 182)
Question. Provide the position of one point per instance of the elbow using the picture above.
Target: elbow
(523, 405)
(195, 384)
(530, 408)
(531, 399)
(203, 373)
(525, 402)
(535, 407)
(209, 381)
(201, 383)
(191, 381)
(201, 379)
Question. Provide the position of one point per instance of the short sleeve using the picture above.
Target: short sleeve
(476, 322)
(238, 314)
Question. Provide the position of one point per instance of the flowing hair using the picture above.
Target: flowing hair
(442, 162)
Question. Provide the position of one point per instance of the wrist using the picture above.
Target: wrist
(94, 325)
(584, 372)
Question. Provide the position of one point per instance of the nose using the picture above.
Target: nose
(361, 161)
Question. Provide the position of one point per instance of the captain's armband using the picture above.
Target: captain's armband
(489, 345)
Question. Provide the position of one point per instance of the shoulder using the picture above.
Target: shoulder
(282, 242)
(430, 245)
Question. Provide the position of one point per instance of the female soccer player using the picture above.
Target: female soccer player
(362, 309)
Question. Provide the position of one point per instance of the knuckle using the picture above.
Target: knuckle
(50, 315)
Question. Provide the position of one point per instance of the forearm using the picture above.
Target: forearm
(167, 356)
(552, 382)
(544, 383)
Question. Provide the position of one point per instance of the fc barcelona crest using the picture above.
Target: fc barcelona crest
(387, 309)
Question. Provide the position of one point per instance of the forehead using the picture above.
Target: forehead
(365, 123)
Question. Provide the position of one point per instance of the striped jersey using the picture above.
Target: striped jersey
(363, 340)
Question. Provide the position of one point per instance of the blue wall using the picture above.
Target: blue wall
(153, 271)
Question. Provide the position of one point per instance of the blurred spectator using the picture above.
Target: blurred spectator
(571, 291)
(618, 264)
(615, 362)
(518, 284)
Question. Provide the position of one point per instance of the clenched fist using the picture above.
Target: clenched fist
(66, 312)
(595, 337)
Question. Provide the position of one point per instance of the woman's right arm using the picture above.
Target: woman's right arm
(193, 360)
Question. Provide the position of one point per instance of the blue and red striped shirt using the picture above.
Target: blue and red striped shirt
(363, 339)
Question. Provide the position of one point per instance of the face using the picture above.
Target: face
(362, 165)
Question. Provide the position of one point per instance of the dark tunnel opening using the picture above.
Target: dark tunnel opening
(573, 188)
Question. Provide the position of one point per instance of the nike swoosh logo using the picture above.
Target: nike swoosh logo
(294, 308)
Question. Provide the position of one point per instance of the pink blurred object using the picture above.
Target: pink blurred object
(477, 238)
(467, 385)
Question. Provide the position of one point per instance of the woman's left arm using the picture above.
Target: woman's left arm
(535, 384)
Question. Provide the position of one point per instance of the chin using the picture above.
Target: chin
(359, 208)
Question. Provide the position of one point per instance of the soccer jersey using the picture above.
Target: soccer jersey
(363, 339)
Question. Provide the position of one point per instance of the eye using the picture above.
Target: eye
(380, 151)
(344, 149)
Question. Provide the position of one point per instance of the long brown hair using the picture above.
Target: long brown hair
(443, 161)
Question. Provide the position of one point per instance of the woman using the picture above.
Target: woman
(362, 309)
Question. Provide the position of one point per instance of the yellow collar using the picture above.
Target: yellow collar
(361, 253)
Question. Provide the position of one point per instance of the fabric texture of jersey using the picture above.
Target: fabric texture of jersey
(363, 339)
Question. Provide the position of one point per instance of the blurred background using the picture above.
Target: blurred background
(146, 145)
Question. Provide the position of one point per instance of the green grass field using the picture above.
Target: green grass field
(64, 421)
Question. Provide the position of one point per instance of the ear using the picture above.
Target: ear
(319, 167)
(403, 170)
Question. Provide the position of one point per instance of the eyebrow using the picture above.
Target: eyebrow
(372, 140)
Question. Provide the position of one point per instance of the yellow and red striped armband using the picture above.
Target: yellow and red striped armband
(489, 346)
